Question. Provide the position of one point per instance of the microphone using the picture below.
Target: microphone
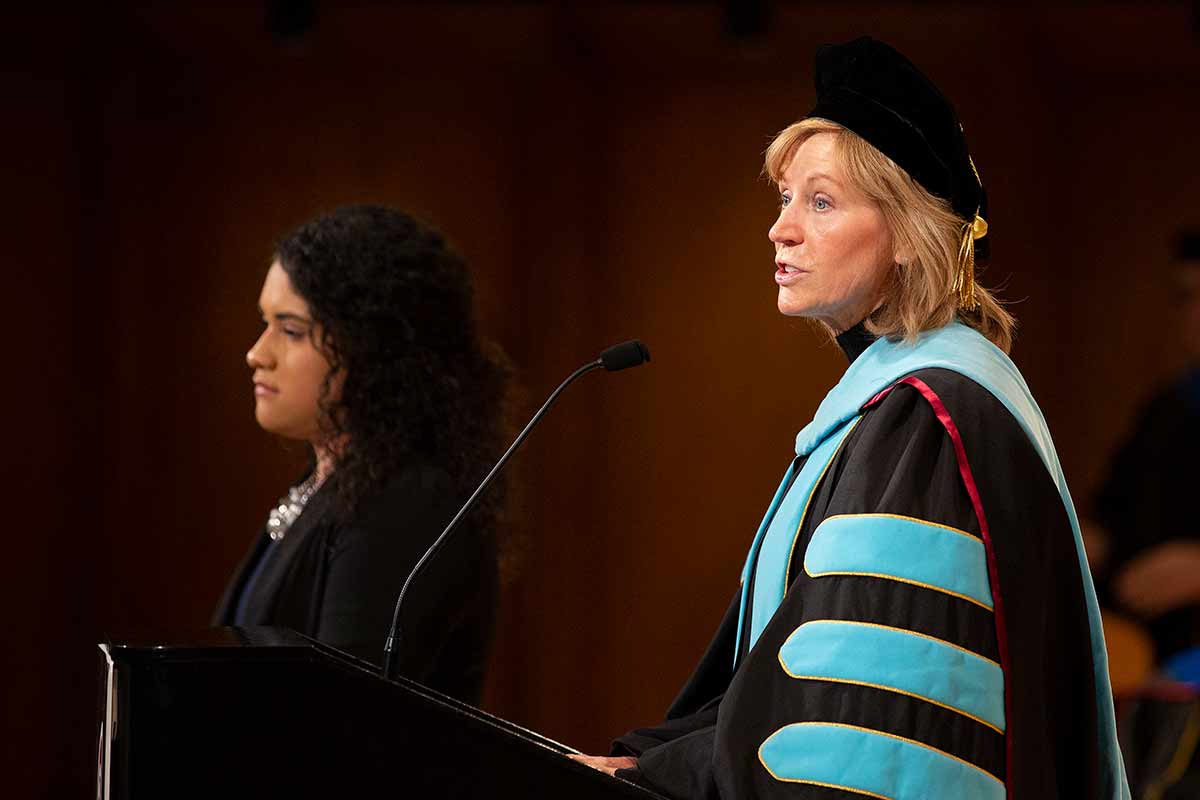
(623, 356)
(620, 356)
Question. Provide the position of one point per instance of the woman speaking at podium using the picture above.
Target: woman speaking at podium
(916, 620)
(370, 354)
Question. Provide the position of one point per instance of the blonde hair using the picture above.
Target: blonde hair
(921, 296)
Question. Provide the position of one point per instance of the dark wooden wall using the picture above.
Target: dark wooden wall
(599, 168)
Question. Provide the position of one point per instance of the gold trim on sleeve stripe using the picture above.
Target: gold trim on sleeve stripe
(893, 689)
(906, 519)
(897, 579)
(893, 628)
(822, 784)
(951, 756)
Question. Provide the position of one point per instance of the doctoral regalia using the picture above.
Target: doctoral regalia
(916, 618)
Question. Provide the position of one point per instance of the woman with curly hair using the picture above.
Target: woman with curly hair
(370, 354)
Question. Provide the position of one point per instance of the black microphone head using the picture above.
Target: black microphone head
(624, 355)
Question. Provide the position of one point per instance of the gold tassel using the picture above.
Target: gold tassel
(964, 281)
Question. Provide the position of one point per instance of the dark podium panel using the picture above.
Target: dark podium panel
(266, 712)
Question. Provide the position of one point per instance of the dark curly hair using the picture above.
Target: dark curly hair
(395, 307)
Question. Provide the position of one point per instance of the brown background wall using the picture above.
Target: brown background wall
(598, 166)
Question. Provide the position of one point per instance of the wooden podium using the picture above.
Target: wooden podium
(266, 712)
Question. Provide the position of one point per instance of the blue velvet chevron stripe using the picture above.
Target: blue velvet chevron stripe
(902, 549)
(963, 350)
(872, 763)
(771, 553)
(900, 661)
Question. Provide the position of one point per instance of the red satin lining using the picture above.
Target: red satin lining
(964, 470)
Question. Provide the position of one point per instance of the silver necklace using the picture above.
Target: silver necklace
(289, 508)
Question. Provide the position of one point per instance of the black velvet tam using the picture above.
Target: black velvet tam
(868, 87)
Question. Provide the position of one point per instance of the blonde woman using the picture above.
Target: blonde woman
(915, 619)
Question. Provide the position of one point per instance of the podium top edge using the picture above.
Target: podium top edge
(205, 639)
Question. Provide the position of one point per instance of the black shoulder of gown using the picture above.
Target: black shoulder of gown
(337, 581)
(944, 452)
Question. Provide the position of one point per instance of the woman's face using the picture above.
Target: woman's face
(833, 251)
(289, 369)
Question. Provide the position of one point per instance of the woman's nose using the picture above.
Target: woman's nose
(259, 355)
(786, 230)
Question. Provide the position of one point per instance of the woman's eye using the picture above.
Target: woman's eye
(820, 203)
(293, 334)
(784, 200)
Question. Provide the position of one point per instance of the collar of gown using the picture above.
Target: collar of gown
(854, 341)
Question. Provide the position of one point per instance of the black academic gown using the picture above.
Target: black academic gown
(337, 581)
(900, 460)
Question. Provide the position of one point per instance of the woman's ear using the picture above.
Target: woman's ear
(901, 254)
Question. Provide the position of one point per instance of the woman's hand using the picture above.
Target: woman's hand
(1161, 579)
(605, 763)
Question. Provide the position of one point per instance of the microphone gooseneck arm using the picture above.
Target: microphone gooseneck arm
(621, 356)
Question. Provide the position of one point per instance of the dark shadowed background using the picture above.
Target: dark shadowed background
(598, 164)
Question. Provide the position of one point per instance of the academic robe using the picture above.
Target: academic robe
(336, 579)
(915, 620)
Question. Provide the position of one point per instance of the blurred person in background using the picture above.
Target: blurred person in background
(1152, 568)
(916, 618)
(371, 356)
(1147, 545)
